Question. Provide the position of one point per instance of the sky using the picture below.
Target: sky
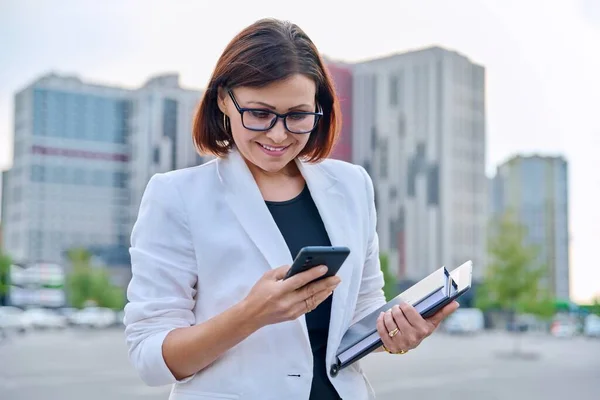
(542, 60)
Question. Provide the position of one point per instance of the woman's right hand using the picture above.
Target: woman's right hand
(273, 300)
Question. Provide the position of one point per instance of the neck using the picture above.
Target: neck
(288, 172)
(282, 185)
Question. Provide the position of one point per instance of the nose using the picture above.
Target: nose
(277, 133)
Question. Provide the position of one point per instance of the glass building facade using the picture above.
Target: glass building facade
(535, 188)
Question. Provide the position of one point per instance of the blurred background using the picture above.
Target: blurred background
(477, 121)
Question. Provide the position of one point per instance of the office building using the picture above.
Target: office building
(341, 74)
(535, 189)
(419, 130)
(161, 132)
(82, 155)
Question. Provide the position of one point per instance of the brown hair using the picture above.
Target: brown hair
(267, 51)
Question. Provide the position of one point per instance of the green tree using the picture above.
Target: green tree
(513, 279)
(390, 281)
(5, 263)
(87, 284)
(513, 276)
(595, 308)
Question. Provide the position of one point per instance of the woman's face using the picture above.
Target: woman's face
(271, 151)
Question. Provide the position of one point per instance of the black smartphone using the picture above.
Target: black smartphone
(311, 256)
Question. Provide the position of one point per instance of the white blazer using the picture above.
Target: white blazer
(202, 239)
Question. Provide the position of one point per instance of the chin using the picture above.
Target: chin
(274, 164)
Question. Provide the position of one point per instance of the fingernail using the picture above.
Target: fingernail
(323, 269)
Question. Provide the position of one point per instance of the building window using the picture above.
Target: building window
(411, 180)
(383, 154)
(433, 185)
(38, 173)
(99, 178)
(393, 232)
(59, 174)
(79, 176)
(373, 138)
(120, 180)
(393, 88)
(170, 128)
(17, 194)
(402, 125)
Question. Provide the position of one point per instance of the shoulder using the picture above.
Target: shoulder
(342, 170)
(349, 174)
(186, 179)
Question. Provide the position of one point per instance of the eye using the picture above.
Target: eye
(298, 117)
(259, 114)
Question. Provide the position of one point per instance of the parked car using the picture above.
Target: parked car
(41, 318)
(465, 320)
(95, 317)
(69, 313)
(591, 326)
(12, 320)
(563, 328)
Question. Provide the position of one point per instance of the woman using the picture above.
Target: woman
(208, 309)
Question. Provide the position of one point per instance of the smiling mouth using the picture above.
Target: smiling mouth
(273, 149)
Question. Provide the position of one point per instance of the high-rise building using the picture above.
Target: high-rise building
(161, 132)
(80, 160)
(341, 74)
(419, 130)
(535, 188)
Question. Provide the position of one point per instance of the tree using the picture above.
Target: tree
(513, 279)
(390, 281)
(5, 263)
(513, 276)
(91, 285)
(595, 307)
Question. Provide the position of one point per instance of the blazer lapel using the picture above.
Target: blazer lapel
(330, 202)
(247, 203)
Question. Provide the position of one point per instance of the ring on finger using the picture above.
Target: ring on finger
(394, 332)
(308, 309)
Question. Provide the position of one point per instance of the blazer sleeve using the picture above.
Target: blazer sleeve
(370, 295)
(161, 293)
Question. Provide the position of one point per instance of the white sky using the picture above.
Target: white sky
(542, 59)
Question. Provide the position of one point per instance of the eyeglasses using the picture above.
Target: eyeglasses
(257, 119)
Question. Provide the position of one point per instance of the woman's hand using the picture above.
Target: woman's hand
(274, 300)
(402, 328)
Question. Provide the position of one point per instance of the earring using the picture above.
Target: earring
(225, 123)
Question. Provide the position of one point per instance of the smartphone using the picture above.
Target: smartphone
(311, 256)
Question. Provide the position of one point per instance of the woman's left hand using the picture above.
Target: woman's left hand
(402, 328)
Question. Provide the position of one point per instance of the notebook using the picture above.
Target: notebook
(427, 296)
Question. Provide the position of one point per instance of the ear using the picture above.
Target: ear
(222, 100)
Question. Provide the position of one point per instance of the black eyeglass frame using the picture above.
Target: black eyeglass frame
(242, 110)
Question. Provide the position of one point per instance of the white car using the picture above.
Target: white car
(12, 320)
(42, 318)
(465, 320)
(95, 317)
(591, 326)
(563, 328)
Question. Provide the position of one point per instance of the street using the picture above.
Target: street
(93, 365)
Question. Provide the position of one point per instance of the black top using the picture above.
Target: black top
(301, 225)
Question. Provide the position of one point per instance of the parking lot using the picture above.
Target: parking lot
(93, 365)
